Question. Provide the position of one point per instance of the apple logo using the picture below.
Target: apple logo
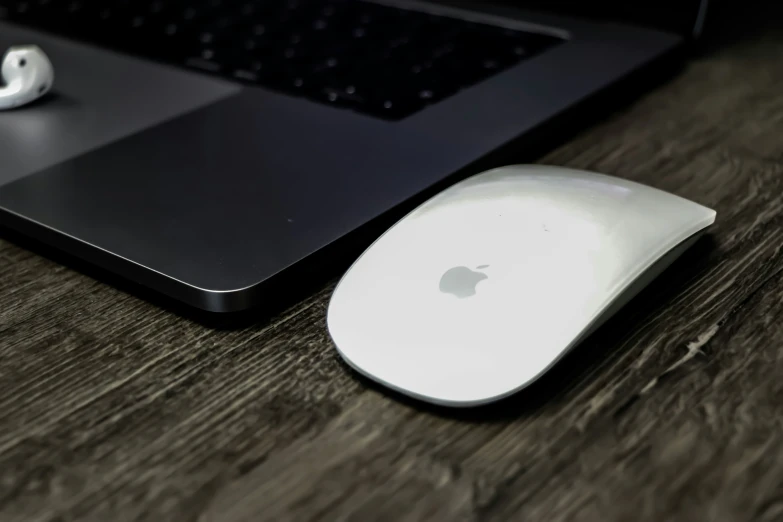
(461, 281)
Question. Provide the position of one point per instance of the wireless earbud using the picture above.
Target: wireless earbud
(26, 73)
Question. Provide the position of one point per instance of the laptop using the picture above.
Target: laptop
(220, 152)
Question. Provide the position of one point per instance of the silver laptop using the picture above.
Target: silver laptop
(223, 152)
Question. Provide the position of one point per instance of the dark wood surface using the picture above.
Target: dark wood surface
(114, 409)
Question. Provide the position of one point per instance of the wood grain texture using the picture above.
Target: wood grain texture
(112, 408)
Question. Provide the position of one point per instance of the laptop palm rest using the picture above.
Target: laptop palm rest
(98, 97)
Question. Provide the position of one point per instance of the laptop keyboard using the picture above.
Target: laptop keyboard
(383, 61)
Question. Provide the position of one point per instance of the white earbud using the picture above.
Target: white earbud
(26, 74)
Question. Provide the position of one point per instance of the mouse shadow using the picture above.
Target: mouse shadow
(583, 362)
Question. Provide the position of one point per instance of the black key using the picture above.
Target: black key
(204, 64)
(334, 98)
(254, 70)
(393, 108)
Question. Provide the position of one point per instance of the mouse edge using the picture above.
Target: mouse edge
(428, 399)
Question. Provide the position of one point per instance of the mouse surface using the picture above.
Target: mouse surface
(477, 292)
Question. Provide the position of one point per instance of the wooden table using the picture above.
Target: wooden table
(112, 408)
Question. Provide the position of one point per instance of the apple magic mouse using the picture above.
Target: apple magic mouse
(477, 292)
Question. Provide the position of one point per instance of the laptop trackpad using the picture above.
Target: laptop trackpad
(98, 97)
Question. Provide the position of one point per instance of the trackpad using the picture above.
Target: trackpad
(98, 97)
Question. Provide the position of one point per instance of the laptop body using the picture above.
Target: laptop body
(189, 169)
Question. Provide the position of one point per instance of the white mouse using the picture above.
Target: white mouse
(477, 292)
